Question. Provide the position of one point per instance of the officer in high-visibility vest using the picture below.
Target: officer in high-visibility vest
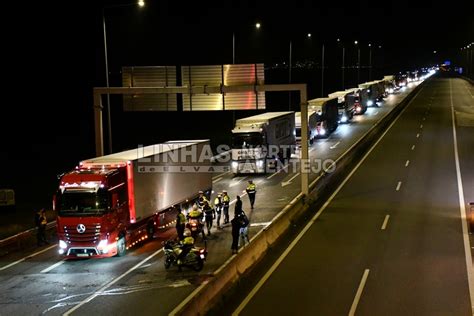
(180, 224)
(251, 191)
(225, 206)
(218, 209)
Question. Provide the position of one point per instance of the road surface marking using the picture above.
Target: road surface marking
(421, 126)
(285, 183)
(399, 185)
(27, 257)
(407, 163)
(377, 112)
(310, 223)
(217, 180)
(220, 175)
(359, 292)
(413, 147)
(234, 200)
(57, 264)
(468, 90)
(275, 173)
(106, 286)
(417, 135)
(385, 222)
(260, 224)
(462, 205)
(335, 145)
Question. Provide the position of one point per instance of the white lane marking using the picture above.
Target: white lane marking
(417, 135)
(106, 286)
(359, 292)
(335, 145)
(217, 180)
(468, 90)
(385, 222)
(310, 223)
(274, 174)
(399, 185)
(377, 112)
(220, 175)
(421, 126)
(234, 200)
(407, 163)
(285, 183)
(413, 147)
(57, 264)
(462, 206)
(27, 257)
(260, 224)
(234, 183)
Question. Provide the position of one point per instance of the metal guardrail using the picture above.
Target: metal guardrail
(22, 239)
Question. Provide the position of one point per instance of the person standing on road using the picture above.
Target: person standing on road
(225, 206)
(244, 229)
(218, 209)
(251, 191)
(209, 215)
(238, 207)
(236, 224)
(180, 224)
(40, 222)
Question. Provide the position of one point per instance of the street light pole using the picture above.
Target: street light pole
(322, 72)
(233, 48)
(370, 62)
(358, 64)
(343, 66)
(289, 79)
(109, 121)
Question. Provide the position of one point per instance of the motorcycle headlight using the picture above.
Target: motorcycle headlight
(370, 103)
(322, 132)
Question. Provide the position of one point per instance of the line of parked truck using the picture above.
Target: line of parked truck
(110, 203)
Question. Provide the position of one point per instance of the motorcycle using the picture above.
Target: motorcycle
(196, 227)
(194, 259)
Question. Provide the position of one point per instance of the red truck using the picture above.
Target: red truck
(111, 203)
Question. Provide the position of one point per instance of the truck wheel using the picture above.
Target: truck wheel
(121, 247)
(150, 230)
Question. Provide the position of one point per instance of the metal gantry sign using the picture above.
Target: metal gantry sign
(222, 89)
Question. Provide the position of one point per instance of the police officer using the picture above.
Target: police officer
(186, 245)
(201, 199)
(180, 224)
(209, 215)
(251, 191)
(218, 209)
(225, 206)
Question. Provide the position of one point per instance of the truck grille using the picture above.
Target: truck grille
(91, 234)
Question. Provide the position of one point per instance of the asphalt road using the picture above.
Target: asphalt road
(391, 241)
(41, 283)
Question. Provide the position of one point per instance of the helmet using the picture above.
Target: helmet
(219, 194)
(187, 233)
(200, 192)
(224, 191)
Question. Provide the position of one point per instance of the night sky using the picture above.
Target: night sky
(53, 56)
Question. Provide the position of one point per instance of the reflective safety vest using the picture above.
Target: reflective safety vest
(252, 188)
(225, 200)
(188, 240)
(217, 202)
(195, 213)
(181, 219)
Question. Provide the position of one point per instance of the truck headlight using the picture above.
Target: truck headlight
(102, 244)
(259, 163)
(62, 244)
(234, 164)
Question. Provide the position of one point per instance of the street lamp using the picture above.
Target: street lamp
(358, 61)
(370, 62)
(342, 65)
(141, 4)
(257, 26)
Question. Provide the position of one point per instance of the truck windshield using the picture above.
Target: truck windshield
(246, 140)
(82, 203)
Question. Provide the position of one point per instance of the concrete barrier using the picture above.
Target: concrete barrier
(209, 294)
(23, 239)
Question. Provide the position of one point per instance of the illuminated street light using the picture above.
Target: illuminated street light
(309, 34)
(356, 42)
(141, 3)
(258, 25)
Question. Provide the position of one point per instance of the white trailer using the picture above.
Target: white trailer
(258, 139)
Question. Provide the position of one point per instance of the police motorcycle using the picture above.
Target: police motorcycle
(195, 223)
(194, 258)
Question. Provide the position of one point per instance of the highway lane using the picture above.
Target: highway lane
(390, 242)
(54, 287)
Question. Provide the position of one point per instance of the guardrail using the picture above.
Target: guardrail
(23, 239)
(210, 293)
